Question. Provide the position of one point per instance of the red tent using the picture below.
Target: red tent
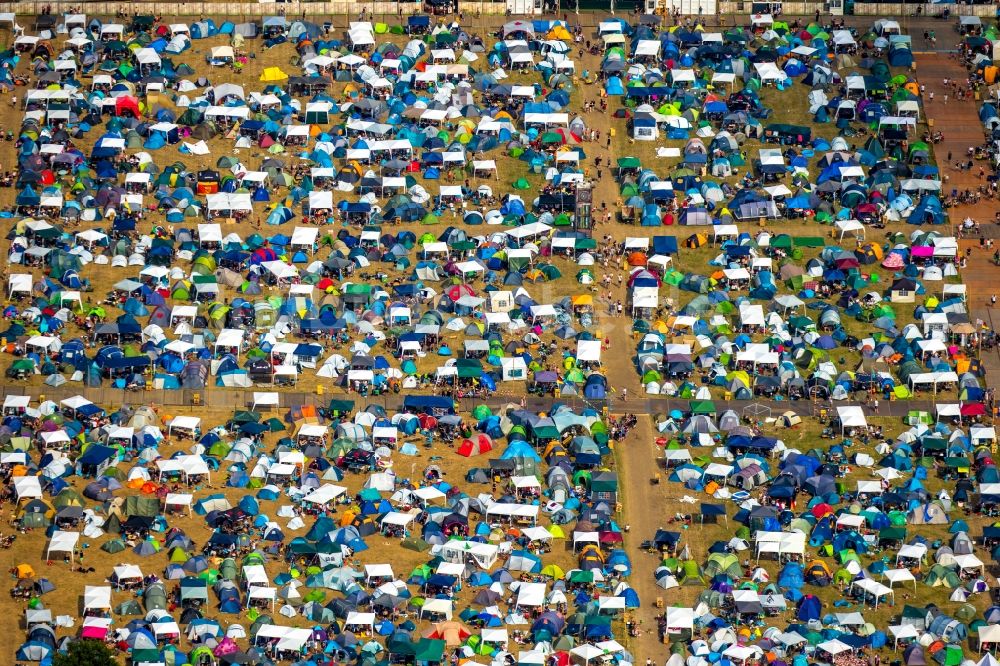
(973, 409)
(474, 447)
(127, 105)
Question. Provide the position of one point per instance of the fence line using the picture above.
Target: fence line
(401, 8)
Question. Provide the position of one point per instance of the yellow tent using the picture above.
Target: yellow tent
(49, 511)
(553, 571)
(273, 74)
(820, 564)
(740, 375)
(24, 571)
(875, 249)
(558, 32)
(583, 299)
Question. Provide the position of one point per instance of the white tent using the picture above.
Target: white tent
(911, 552)
(530, 594)
(178, 500)
(834, 647)
(290, 639)
(850, 226)
(15, 404)
(27, 487)
(780, 543)
(98, 597)
(62, 542)
(18, 283)
(517, 512)
(875, 589)
(324, 494)
(679, 619)
(902, 632)
(438, 607)
(588, 351)
(851, 416)
(397, 519)
(484, 555)
(264, 399)
(190, 424)
(970, 563)
(899, 576)
(989, 634)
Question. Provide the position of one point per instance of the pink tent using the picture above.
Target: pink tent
(94, 633)
(225, 646)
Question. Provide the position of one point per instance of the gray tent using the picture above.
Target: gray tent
(155, 597)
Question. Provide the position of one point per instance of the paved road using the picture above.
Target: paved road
(644, 406)
(959, 122)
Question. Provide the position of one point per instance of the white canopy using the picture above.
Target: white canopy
(851, 416)
(679, 619)
(62, 542)
(874, 588)
(899, 576)
(324, 494)
(98, 597)
(27, 487)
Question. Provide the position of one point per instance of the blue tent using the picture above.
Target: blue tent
(810, 608)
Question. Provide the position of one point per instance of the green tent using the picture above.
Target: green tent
(429, 651)
(415, 544)
(782, 242)
(469, 368)
(702, 407)
(339, 406)
(113, 546)
(723, 563)
(691, 574)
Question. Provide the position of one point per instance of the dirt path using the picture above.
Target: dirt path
(649, 507)
(643, 513)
